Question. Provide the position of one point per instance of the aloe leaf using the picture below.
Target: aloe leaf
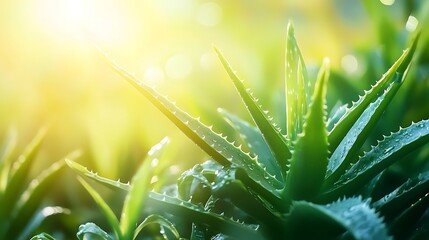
(405, 223)
(346, 152)
(198, 232)
(270, 132)
(90, 231)
(255, 142)
(335, 115)
(94, 176)
(403, 196)
(353, 215)
(160, 220)
(388, 151)
(6, 159)
(347, 121)
(217, 222)
(137, 194)
(297, 90)
(42, 236)
(107, 211)
(212, 143)
(36, 221)
(310, 156)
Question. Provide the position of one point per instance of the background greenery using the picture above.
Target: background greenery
(51, 75)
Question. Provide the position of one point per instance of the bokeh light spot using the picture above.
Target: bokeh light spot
(178, 66)
(411, 24)
(349, 63)
(387, 2)
(209, 14)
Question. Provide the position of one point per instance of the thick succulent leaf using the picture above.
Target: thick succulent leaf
(107, 212)
(353, 215)
(388, 151)
(42, 236)
(352, 114)
(270, 132)
(94, 176)
(297, 87)
(226, 186)
(310, 156)
(139, 189)
(335, 115)
(26, 231)
(6, 159)
(217, 222)
(403, 196)
(254, 140)
(346, 152)
(216, 145)
(90, 231)
(198, 232)
(160, 220)
(406, 222)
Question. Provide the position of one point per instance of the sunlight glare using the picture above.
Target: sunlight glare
(82, 19)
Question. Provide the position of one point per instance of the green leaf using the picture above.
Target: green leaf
(255, 142)
(387, 152)
(93, 229)
(404, 196)
(198, 232)
(335, 115)
(42, 236)
(298, 89)
(310, 156)
(157, 219)
(90, 231)
(345, 153)
(35, 222)
(212, 143)
(6, 159)
(195, 213)
(17, 178)
(270, 132)
(405, 223)
(353, 215)
(94, 176)
(348, 120)
(139, 189)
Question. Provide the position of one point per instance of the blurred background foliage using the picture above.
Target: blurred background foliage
(51, 75)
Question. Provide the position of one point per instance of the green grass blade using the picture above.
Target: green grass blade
(81, 170)
(404, 196)
(353, 215)
(195, 213)
(90, 231)
(35, 222)
(17, 179)
(6, 159)
(346, 122)
(387, 152)
(107, 211)
(139, 189)
(160, 220)
(310, 156)
(270, 132)
(255, 142)
(297, 87)
(345, 153)
(212, 143)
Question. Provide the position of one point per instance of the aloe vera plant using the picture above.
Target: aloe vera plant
(315, 182)
(21, 209)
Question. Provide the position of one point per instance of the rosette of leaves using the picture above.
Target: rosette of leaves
(316, 182)
(21, 197)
